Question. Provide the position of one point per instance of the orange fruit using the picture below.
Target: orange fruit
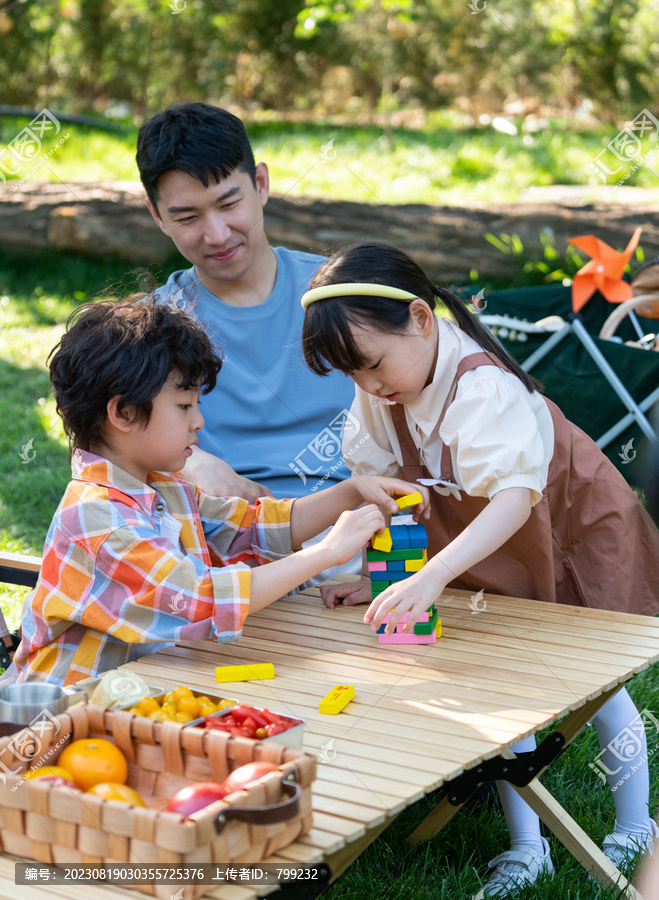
(46, 771)
(147, 705)
(109, 790)
(189, 705)
(93, 760)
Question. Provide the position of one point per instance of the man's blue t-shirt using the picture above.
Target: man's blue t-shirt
(269, 416)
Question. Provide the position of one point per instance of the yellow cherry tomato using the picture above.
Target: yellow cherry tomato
(169, 708)
(207, 709)
(224, 704)
(183, 717)
(46, 771)
(189, 705)
(202, 698)
(158, 715)
(147, 705)
(110, 790)
(168, 698)
(181, 692)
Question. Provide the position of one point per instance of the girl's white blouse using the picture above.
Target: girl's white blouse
(499, 435)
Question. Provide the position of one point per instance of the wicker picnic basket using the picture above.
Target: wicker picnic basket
(59, 826)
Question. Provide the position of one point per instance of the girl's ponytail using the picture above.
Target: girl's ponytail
(470, 325)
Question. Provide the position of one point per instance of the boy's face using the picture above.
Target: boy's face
(219, 229)
(165, 443)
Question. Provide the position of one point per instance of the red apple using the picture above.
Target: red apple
(241, 777)
(194, 797)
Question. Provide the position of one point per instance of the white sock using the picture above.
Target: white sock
(624, 761)
(523, 824)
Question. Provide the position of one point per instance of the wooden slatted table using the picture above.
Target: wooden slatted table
(422, 714)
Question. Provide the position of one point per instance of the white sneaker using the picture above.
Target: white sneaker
(515, 869)
(623, 849)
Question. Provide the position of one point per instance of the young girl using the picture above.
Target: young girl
(524, 503)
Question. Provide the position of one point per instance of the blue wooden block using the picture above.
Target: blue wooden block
(396, 565)
(397, 576)
(417, 536)
(400, 538)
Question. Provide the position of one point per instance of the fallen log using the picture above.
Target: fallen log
(111, 219)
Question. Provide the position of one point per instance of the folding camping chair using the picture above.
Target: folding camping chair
(15, 568)
(598, 366)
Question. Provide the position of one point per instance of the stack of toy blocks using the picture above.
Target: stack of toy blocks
(393, 556)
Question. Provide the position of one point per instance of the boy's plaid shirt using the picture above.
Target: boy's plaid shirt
(113, 588)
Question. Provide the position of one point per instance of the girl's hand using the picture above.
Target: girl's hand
(348, 593)
(413, 595)
(352, 531)
(380, 490)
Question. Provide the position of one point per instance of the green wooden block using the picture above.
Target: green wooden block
(379, 556)
(427, 627)
(379, 586)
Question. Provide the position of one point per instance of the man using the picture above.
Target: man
(272, 426)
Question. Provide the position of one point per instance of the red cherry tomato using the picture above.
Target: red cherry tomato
(194, 797)
(245, 775)
(273, 729)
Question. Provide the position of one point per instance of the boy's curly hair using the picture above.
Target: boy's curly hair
(131, 348)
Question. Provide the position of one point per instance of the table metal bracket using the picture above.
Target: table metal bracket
(520, 771)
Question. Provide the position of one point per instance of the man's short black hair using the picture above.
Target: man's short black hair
(130, 348)
(205, 141)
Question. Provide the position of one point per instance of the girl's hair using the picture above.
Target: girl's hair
(131, 348)
(327, 337)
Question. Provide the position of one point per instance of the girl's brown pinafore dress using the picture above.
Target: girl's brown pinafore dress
(588, 541)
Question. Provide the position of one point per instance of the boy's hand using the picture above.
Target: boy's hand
(348, 593)
(381, 490)
(413, 595)
(352, 531)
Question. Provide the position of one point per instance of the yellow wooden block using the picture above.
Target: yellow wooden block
(337, 698)
(382, 542)
(414, 565)
(252, 672)
(409, 500)
(438, 628)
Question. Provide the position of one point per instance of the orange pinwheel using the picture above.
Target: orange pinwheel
(604, 271)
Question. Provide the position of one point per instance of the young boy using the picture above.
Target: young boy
(137, 558)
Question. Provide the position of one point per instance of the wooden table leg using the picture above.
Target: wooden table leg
(575, 839)
(339, 861)
(434, 822)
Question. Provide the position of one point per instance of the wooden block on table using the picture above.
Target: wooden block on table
(378, 556)
(337, 698)
(407, 638)
(377, 566)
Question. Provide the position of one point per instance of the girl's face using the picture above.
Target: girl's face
(399, 364)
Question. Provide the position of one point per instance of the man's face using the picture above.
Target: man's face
(219, 229)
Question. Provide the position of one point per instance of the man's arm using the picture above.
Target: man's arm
(216, 478)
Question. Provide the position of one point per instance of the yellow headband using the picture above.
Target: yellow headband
(359, 288)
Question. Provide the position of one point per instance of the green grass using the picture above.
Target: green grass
(440, 163)
(37, 293)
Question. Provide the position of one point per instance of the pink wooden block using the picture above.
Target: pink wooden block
(407, 638)
(377, 567)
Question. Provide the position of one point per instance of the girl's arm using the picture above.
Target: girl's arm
(505, 514)
(314, 513)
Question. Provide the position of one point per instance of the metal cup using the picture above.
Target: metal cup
(22, 703)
